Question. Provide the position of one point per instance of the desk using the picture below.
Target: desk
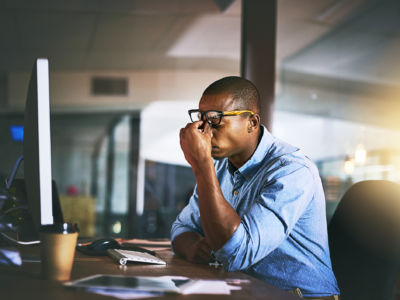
(25, 282)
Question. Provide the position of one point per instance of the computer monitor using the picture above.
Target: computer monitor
(36, 191)
(37, 146)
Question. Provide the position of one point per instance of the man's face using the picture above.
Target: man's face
(230, 137)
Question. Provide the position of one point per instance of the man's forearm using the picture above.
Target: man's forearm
(218, 218)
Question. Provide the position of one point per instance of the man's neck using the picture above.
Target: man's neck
(238, 161)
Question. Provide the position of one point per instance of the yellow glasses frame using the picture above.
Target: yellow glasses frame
(220, 114)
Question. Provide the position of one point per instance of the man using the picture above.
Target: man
(259, 206)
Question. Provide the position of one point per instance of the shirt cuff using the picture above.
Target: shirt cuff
(227, 253)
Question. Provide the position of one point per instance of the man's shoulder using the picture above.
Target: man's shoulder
(285, 152)
(285, 155)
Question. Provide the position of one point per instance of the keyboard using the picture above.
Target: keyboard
(123, 256)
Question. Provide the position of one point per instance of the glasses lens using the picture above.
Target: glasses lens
(195, 116)
(214, 117)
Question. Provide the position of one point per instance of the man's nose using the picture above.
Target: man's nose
(212, 131)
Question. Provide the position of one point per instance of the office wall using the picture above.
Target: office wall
(10, 150)
(3, 90)
(73, 89)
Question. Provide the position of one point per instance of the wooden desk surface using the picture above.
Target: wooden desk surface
(25, 282)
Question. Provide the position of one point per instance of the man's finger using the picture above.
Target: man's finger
(193, 125)
(205, 248)
(203, 258)
(203, 255)
(197, 124)
(207, 129)
(206, 255)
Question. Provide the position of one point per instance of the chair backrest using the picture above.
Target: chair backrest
(364, 240)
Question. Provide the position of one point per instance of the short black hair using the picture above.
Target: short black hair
(243, 91)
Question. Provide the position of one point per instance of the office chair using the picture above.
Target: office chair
(364, 240)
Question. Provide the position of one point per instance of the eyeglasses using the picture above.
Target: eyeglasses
(214, 117)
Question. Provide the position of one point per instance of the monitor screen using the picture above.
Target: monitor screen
(37, 145)
(17, 133)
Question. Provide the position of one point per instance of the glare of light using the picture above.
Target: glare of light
(348, 166)
(117, 226)
(314, 95)
(360, 156)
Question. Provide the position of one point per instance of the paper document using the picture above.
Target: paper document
(123, 294)
(204, 286)
(136, 287)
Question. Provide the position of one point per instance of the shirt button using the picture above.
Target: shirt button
(235, 192)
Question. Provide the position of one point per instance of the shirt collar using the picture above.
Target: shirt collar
(263, 147)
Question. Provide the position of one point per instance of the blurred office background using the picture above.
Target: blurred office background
(123, 74)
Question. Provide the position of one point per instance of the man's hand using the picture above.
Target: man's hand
(193, 247)
(196, 142)
(200, 252)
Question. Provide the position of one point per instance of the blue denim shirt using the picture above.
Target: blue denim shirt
(282, 237)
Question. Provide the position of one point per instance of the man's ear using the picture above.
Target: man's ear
(254, 122)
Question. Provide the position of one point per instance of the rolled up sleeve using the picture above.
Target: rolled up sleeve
(270, 219)
(188, 219)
